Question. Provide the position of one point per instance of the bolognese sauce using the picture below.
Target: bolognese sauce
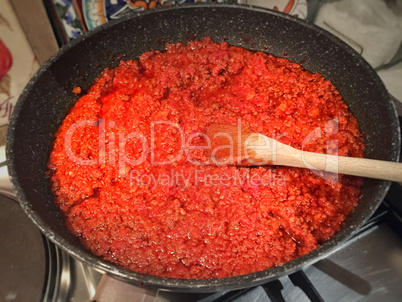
(129, 166)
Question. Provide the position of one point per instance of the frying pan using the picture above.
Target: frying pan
(48, 97)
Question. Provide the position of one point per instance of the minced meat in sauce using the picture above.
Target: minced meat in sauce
(127, 167)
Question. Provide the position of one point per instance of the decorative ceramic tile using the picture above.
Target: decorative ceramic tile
(97, 12)
(69, 21)
(75, 16)
(297, 8)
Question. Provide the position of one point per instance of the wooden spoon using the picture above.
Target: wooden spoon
(237, 145)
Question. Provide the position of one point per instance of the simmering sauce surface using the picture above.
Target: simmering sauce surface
(127, 166)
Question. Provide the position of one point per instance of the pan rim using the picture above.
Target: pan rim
(194, 285)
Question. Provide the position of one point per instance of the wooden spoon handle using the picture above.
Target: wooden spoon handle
(264, 150)
(355, 166)
(288, 156)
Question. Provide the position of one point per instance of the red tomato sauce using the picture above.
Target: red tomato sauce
(135, 197)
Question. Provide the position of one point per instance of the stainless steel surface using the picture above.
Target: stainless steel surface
(368, 268)
(109, 289)
(22, 261)
(80, 281)
(35, 23)
(85, 281)
(68, 279)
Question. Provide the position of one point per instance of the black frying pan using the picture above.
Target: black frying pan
(48, 97)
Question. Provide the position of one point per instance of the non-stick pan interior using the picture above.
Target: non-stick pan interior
(48, 97)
